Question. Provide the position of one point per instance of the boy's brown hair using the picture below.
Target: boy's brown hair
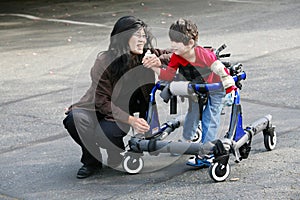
(183, 30)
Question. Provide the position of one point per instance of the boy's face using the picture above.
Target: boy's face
(179, 48)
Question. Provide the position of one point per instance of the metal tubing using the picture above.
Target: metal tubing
(253, 129)
(261, 124)
(242, 140)
(156, 146)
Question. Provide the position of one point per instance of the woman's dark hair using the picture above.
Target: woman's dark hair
(183, 31)
(123, 29)
(119, 50)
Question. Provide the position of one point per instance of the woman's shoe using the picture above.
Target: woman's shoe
(86, 171)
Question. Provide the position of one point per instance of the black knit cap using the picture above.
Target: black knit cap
(126, 23)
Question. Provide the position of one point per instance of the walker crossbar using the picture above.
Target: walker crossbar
(154, 147)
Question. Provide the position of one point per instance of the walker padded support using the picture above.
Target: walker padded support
(154, 147)
(219, 149)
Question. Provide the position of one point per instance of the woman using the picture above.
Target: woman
(120, 86)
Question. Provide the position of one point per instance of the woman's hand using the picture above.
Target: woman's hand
(151, 60)
(139, 124)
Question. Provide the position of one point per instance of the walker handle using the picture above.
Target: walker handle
(206, 87)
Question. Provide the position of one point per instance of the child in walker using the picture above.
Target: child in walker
(198, 65)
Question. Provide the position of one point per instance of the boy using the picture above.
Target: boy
(199, 65)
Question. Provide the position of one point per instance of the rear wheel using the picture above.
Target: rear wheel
(133, 164)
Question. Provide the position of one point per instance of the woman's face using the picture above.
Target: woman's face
(137, 41)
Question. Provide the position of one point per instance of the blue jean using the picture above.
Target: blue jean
(210, 117)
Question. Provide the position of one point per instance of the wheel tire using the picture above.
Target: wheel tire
(198, 137)
(133, 164)
(270, 141)
(219, 172)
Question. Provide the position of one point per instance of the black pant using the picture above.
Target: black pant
(91, 131)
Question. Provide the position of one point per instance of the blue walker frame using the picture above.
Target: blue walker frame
(239, 138)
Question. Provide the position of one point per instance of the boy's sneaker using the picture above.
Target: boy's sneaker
(200, 163)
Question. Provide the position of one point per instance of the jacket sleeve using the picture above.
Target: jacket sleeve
(169, 71)
(103, 99)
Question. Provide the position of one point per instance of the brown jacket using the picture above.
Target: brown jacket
(117, 99)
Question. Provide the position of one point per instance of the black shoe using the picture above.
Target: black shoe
(86, 171)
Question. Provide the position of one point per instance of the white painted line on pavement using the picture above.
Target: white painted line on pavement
(54, 20)
(242, 1)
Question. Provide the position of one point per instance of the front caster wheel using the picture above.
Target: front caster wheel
(270, 141)
(133, 164)
(219, 172)
(198, 136)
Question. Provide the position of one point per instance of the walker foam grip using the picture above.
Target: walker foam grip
(166, 94)
(180, 88)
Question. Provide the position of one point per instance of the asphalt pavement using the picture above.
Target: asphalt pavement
(47, 50)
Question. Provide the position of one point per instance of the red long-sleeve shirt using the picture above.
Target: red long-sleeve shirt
(204, 59)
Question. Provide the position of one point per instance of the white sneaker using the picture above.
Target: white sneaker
(199, 162)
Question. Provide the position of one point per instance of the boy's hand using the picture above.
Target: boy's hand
(229, 99)
(230, 95)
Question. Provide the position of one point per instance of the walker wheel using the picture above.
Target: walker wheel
(133, 164)
(219, 172)
(198, 136)
(270, 141)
